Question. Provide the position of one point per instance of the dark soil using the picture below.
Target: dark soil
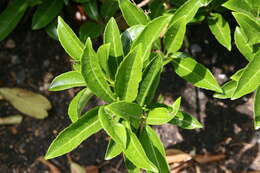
(36, 59)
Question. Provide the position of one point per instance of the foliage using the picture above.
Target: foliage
(125, 70)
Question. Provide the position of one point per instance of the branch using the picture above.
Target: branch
(143, 3)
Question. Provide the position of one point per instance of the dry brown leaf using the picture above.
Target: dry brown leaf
(206, 158)
(92, 169)
(76, 168)
(13, 119)
(176, 156)
(27, 102)
(53, 169)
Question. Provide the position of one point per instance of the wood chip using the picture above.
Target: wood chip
(53, 169)
(206, 158)
(177, 156)
(13, 119)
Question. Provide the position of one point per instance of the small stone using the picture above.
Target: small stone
(10, 44)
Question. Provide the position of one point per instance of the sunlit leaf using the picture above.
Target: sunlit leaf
(67, 80)
(185, 121)
(113, 150)
(76, 133)
(257, 109)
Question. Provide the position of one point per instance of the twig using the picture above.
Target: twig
(143, 3)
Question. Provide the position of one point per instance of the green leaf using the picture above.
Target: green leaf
(67, 80)
(45, 13)
(175, 35)
(112, 36)
(257, 109)
(156, 8)
(108, 9)
(185, 121)
(51, 30)
(250, 78)
(154, 149)
(131, 168)
(78, 103)
(114, 129)
(237, 75)
(129, 111)
(244, 6)
(242, 44)
(150, 33)
(250, 26)
(128, 75)
(103, 56)
(132, 14)
(73, 135)
(93, 74)
(162, 115)
(91, 9)
(136, 154)
(220, 29)
(228, 90)
(195, 73)
(187, 10)
(11, 16)
(129, 36)
(69, 40)
(148, 84)
(113, 150)
(90, 29)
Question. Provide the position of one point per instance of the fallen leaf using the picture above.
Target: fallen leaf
(76, 168)
(53, 169)
(176, 156)
(92, 169)
(206, 158)
(13, 119)
(27, 102)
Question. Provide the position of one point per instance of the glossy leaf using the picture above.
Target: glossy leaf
(90, 29)
(113, 150)
(237, 75)
(46, 12)
(51, 30)
(131, 168)
(129, 36)
(185, 121)
(162, 115)
(11, 16)
(114, 129)
(242, 44)
(108, 9)
(91, 9)
(175, 35)
(156, 8)
(187, 10)
(154, 149)
(103, 56)
(220, 29)
(67, 80)
(195, 73)
(112, 36)
(132, 14)
(78, 103)
(129, 111)
(244, 6)
(148, 83)
(93, 74)
(249, 25)
(250, 78)
(69, 40)
(228, 90)
(73, 135)
(128, 75)
(257, 109)
(150, 33)
(136, 154)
